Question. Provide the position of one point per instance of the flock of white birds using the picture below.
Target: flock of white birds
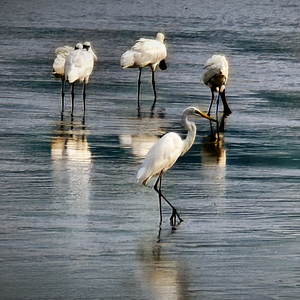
(76, 64)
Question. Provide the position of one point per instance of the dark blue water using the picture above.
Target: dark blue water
(75, 225)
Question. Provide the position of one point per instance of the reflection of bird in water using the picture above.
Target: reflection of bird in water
(213, 152)
(213, 161)
(215, 77)
(72, 162)
(72, 146)
(139, 144)
(146, 52)
(164, 153)
(79, 66)
(160, 277)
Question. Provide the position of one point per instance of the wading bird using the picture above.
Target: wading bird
(146, 52)
(79, 66)
(164, 153)
(59, 69)
(215, 77)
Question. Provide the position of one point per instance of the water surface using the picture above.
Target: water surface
(75, 225)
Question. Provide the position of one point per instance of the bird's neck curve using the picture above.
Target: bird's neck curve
(190, 138)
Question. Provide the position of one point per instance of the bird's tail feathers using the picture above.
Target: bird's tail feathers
(128, 59)
(141, 177)
(58, 65)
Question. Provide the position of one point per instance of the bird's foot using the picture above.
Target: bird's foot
(173, 218)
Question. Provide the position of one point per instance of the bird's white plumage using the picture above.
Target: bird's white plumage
(165, 152)
(59, 61)
(160, 157)
(216, 72)
(79, 65)
(87, 45)
(145, 52)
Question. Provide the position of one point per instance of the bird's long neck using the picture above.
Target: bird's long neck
(190, 138)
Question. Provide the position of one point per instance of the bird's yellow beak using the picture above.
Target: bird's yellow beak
(204, 115)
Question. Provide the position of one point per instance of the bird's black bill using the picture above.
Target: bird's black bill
(227, 110)
(162, 65)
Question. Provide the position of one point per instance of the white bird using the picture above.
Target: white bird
(79, 66)
(146, 52)
(165, 152)
(215, 77)
(59, 69)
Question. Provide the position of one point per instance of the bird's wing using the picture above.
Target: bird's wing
(163, 154)
(59, 61)
(65, 50)
(148, 52)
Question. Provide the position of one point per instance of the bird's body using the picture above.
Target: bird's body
(78, 66)
(160, 158)
(165, 152)
(215, 77)
(216, 72)
(146, 52)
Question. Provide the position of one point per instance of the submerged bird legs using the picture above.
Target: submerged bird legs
(157, 188)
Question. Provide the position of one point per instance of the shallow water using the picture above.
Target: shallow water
(75, 225)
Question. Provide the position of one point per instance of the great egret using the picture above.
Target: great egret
(165, 152)
(215, 77)
(146, 52)
(59, 69)
(79, 66)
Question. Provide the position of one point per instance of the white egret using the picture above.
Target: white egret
(146, 52)
(79, 66)
(165, 152)
(59, 69)
(215, 77)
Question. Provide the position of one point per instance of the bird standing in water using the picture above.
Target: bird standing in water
(164, 153)
(146, 52)
(215, 77)
(59, 69)
(79, 66)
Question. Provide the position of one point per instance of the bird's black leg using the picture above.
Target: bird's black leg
(217, 114)
(73, 98)
(226, 109)
(83, 99)
(154, 89)
(174, 211)
(209, 110)
(62, 98)
(211, 102)
(159, 197)
(139, 89)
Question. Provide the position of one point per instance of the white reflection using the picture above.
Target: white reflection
(139, 145)
(141, 134)
(71, 161)
(213, 156)
(160, 277)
